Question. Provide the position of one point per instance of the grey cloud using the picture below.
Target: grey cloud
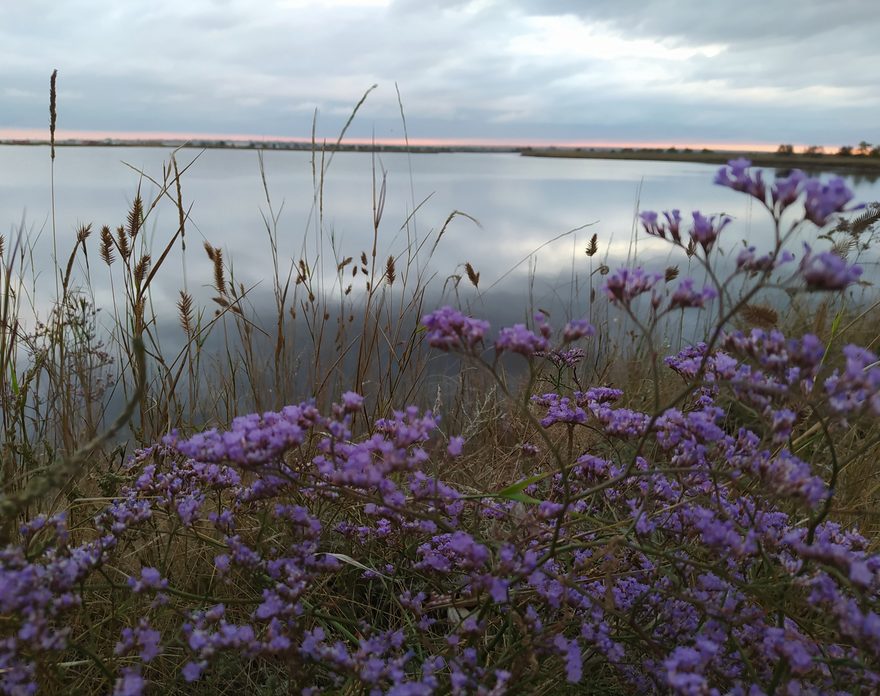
(788, 70)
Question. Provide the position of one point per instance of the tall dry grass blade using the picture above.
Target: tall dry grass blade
(535, 250)
(69, 467)
(81, 235)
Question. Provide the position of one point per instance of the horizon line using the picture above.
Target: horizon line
(38, 134)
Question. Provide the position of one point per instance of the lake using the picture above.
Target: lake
(519, 202)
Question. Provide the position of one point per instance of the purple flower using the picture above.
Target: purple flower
(455, 446)
(705, 230)
(685, 295)
(625, 284)
(449, 329)
(827, 270)
(192, 671)
(656, 228)
(563, 358)
(352, 401)
(131, 683)
(571, 652)
(577, 328)
(519, 339)
(150, 579)
(748, 260)
(786, 190)
(824, 200)
(736, 175)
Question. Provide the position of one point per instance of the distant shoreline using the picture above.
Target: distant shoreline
(853, 163)
(282, 145)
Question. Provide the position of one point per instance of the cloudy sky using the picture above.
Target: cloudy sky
(588, 71)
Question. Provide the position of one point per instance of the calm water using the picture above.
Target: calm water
(520, 203)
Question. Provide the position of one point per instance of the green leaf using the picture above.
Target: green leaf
(515, 491)
(357, 564)
(522, 498)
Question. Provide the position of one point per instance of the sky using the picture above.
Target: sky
(651, 72)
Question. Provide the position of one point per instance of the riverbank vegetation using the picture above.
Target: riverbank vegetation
(814, 158)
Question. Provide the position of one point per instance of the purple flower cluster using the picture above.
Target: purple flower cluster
(449, 329)
(686, 296)
(821, 200)
(671, 595)
(827, 271)
(624, 285)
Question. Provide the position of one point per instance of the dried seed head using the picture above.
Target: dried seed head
(347, 260)
(691, 248)
(842, 247)
(184, 307)
(82, 234)
(107, 245)
(671, 273)
(760, 315)
(390, 271)
(122, 243)
(53, 112)
(472, 275)
(593, 246)
(363, 258)
(141, 270)
(135, 216)
(216, 256)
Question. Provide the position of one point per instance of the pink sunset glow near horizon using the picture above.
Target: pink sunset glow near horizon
(36, 134)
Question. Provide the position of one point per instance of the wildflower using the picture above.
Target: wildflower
(449, 329)
(824, 200)
(625, 284)
(827, 270)
(455, 446)
(519, 339)
(577, 328)
(685, 295)
(737, 175)
(705, 230)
